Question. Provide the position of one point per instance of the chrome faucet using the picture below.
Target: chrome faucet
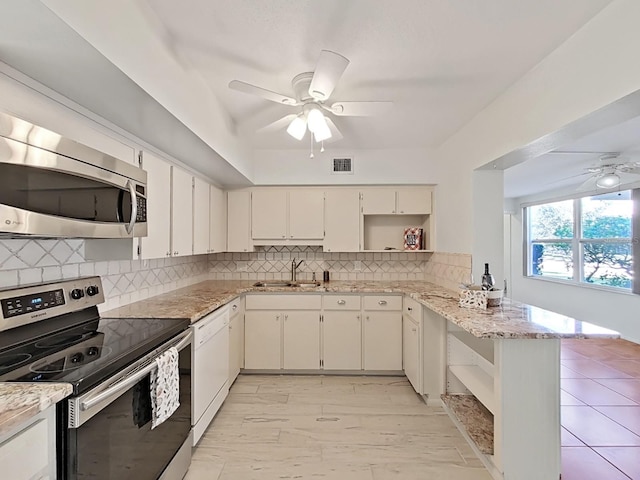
(294, 268)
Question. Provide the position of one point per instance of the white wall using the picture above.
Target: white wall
(592, 69)
(294, 167)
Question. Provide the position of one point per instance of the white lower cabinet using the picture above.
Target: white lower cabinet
(29, 452)
(382, 332)
(411, 352)
(282, 331)
(236, 338)
(301, 340)
(342, 340)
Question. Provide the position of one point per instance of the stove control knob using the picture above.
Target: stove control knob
(93, 351)
(77, 293)
(92, 290)
(77, 357)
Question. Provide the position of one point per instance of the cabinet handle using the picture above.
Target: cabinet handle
(413, 329)
(286, 317)
(284, 236)
(341, 302)
(410, 309)
(175, 253)
(367, 318)
(235, 307)
(277, 317)
(167, 254)
(358, 317)
(382, 302)
(401, 211)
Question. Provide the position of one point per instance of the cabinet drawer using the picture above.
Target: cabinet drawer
(341, 302)
(283, 302)
(382, 302)
(235, 307)
(412, 308)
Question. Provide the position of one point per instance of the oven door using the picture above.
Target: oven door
(43, 193)
(107, 439)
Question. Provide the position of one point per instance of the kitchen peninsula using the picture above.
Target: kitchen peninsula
(506, 358)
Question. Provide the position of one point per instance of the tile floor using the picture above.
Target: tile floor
(600, 382)
(331, 428)
(375, 428)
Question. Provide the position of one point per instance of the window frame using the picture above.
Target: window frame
(576, 243)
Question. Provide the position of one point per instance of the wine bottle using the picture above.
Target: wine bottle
(487, 279)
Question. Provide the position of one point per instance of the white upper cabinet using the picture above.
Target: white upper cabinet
(181, 212)
(200, 216)
(306, 214)
(403, 201)
(269, 214)
(342, 221)
(379, 202)
(217, 220)
(157, 243)
(287, 215)
(414, 201)
(239, 221)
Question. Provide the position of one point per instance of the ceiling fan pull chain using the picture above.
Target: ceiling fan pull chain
(322, 146)
(311, 140)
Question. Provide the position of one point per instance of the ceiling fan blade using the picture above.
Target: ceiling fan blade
(588, 184)
(278, 124)
(328, 71)
(262, 92)
(360, 109)
(335, 133)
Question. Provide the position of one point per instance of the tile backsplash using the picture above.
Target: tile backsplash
(33, 261)
(124, 281)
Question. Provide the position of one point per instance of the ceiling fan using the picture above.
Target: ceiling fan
(311, 93)
(610, 172)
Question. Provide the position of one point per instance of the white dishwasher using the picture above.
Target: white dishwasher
(210, 370)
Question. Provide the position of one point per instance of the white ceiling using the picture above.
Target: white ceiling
(439, 61)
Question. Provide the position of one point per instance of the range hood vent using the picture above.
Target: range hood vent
(342, 166)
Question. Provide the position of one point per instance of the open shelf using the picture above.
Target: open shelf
(380, 231)
(474, 417)
(478, 382)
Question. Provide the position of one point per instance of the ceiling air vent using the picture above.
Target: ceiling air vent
(342, 166)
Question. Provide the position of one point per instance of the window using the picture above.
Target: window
(587, 240)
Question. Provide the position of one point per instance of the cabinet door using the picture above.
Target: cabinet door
(342, 221)
(217, 220)
(342, 341)
(181, 212)
(410, 352)
(414, 201)
(382, 339)
(157, 243)
(235, 348)
(200, 216)
(306, 214)
(301, 340)
(262, 339)
(269, 214)
(379, 201)
(238, 221)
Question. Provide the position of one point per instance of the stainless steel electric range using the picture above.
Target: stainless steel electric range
(53, 333)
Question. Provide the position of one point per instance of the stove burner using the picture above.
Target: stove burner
(61, 341)
(10, 360)
(70, 362)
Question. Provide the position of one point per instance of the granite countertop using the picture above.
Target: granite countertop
(510, 320)
(19, 402)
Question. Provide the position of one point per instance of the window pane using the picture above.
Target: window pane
(551, 220)
(607, 263)
(607, 216)
(553, 260)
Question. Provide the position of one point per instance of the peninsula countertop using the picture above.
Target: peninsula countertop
(19, 402)
(511, 320)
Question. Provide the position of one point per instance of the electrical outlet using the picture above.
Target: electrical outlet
(241, 266)
(357, 265)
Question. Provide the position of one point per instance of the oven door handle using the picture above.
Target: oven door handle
(130, 380)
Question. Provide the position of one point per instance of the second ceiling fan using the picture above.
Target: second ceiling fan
(311, 93)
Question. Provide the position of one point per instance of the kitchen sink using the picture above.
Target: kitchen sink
(283, 283)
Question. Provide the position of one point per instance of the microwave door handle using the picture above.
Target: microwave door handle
(134, 207)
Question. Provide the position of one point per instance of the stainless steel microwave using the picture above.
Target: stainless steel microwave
(51, 186)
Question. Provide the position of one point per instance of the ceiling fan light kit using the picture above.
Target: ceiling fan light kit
(312, 90)
(608, 180)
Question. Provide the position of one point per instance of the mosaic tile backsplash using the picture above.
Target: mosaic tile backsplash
(274, 263)
(33, 261)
